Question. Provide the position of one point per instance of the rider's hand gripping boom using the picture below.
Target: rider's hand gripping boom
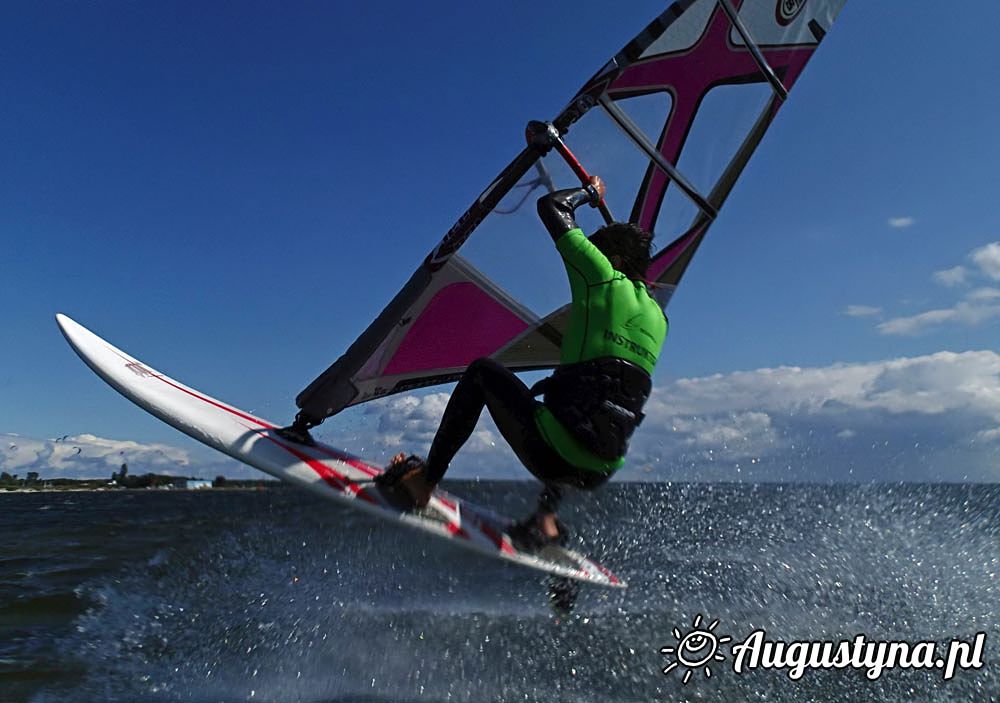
(544, 136)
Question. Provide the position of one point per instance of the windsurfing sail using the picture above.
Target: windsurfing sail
(658, 123)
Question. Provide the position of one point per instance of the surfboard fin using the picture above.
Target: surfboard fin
(563, 594)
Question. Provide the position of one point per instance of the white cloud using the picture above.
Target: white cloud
(964, 312)
(885, 420)
(987, 258)
(920, 418)
(861, 311)
(87, 456)
(408, 423)
(990, 435)
(934, 417)
(978, 306)
(980, 294)
(405, 423)
(952, 277)
(900, 222)
(72, 455)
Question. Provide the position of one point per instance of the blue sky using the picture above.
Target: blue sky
(232, 191)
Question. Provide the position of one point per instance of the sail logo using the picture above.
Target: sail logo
(461, 230)
(453, 240)
(787, 10)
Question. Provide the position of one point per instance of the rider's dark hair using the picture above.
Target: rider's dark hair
(630, 243)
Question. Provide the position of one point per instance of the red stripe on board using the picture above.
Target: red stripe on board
(337, 480)
(324, 471)
(329, 451)
(199, 396)
(228, 409)
(328, 474)
(333, 478)
(611, 576)
(457, 531)
(453, 528)
(502, 544)
(347, 459)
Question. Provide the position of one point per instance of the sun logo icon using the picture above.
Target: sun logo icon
(696, 649)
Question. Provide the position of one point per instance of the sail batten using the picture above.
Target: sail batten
(762, 63)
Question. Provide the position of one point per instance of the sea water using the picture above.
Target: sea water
(274, 595)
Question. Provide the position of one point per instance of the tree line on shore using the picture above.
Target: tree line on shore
(122, 479)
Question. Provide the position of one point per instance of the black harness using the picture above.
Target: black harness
(598, 401)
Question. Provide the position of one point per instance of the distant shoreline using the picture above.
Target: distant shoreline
(269, 485)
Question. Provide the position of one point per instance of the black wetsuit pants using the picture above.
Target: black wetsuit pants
(489, 384)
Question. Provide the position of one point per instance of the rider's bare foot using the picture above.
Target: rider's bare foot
(538, 531)
(407, 473)
(548, 525)
(420, 489)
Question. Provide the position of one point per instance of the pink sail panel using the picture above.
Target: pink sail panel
(670, 255)
(460, 324)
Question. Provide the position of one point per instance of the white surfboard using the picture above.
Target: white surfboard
(320, 469)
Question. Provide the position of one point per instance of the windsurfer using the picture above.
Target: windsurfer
(578, 435)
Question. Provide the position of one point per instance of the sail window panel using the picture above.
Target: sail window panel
(676, 215)
(512, 248)
(726, 115)
(608, 152)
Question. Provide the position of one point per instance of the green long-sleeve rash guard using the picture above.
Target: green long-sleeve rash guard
(610, 315)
